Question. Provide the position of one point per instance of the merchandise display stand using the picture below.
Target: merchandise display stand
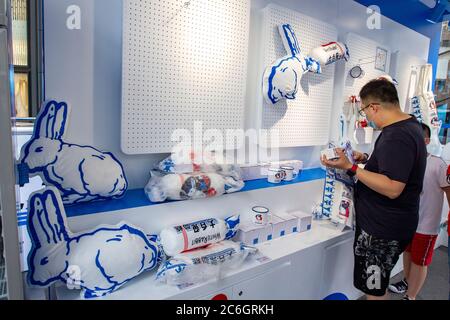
(297, 261)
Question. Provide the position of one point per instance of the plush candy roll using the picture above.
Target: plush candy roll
(330, 53)
(198, 234)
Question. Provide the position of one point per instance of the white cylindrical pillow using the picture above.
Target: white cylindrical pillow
(198, 234)
(330, 53)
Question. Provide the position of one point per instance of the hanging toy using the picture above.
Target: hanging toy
(330, 53)
(281, 79)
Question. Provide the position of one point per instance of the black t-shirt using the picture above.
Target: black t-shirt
(400, 153)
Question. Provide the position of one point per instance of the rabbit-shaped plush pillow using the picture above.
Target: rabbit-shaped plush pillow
(81, 173)
(98, 262)
(281, 78)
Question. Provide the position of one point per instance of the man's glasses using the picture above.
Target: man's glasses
(361, 111)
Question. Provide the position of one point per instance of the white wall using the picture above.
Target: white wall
(83, 67)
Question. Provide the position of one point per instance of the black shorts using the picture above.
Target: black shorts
(374, 260)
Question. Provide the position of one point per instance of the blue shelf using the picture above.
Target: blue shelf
(136, 198)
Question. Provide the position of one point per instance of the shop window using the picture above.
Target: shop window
(26, 58)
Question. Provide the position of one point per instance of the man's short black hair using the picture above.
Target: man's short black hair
(381, 89)
(426, 130)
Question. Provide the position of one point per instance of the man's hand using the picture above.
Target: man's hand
(359, 157)
(341, 163)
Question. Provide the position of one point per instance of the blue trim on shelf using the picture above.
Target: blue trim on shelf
(136, 198)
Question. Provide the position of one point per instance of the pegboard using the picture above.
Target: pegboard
(183, 61)
(362, 51)
(305, 120)
(404, 68)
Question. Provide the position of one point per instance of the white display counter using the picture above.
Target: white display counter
(309, 265)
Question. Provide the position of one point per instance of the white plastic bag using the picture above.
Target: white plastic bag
(338, 198)
(203, 264)
(172, 186)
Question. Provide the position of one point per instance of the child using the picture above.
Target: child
(419, 253)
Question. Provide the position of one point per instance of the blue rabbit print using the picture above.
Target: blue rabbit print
(104, 259)
(281, 79)
(81, 173)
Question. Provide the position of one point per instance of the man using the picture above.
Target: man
(419, 253)
(388, 190)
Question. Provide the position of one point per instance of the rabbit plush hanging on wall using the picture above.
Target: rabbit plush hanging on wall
(80, 173)
(98, 262)
(281, 79)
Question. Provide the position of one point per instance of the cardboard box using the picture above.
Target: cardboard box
(278, 227)
(304, 220)
(291, 222)
(330, 154)
(267, 233)
(250, 234)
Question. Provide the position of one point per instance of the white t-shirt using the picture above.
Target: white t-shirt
(437, 176)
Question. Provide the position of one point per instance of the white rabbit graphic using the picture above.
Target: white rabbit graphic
(81, 173)
(106, 258)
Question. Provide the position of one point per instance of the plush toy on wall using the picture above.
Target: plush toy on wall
(99, 261)
(330, 53)
(81, 173)
(281, 79)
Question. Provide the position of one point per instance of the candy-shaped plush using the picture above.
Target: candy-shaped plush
(80, 173)
(330, 53)
(198, 234)
(162, 187)
(99, 261)
(281, 79)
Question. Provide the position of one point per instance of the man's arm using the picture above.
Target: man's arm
(381, 183)
(375, 181)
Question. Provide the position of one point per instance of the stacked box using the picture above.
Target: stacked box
(278, 227)
(290, 221)
(304, 220)
(250, 234)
